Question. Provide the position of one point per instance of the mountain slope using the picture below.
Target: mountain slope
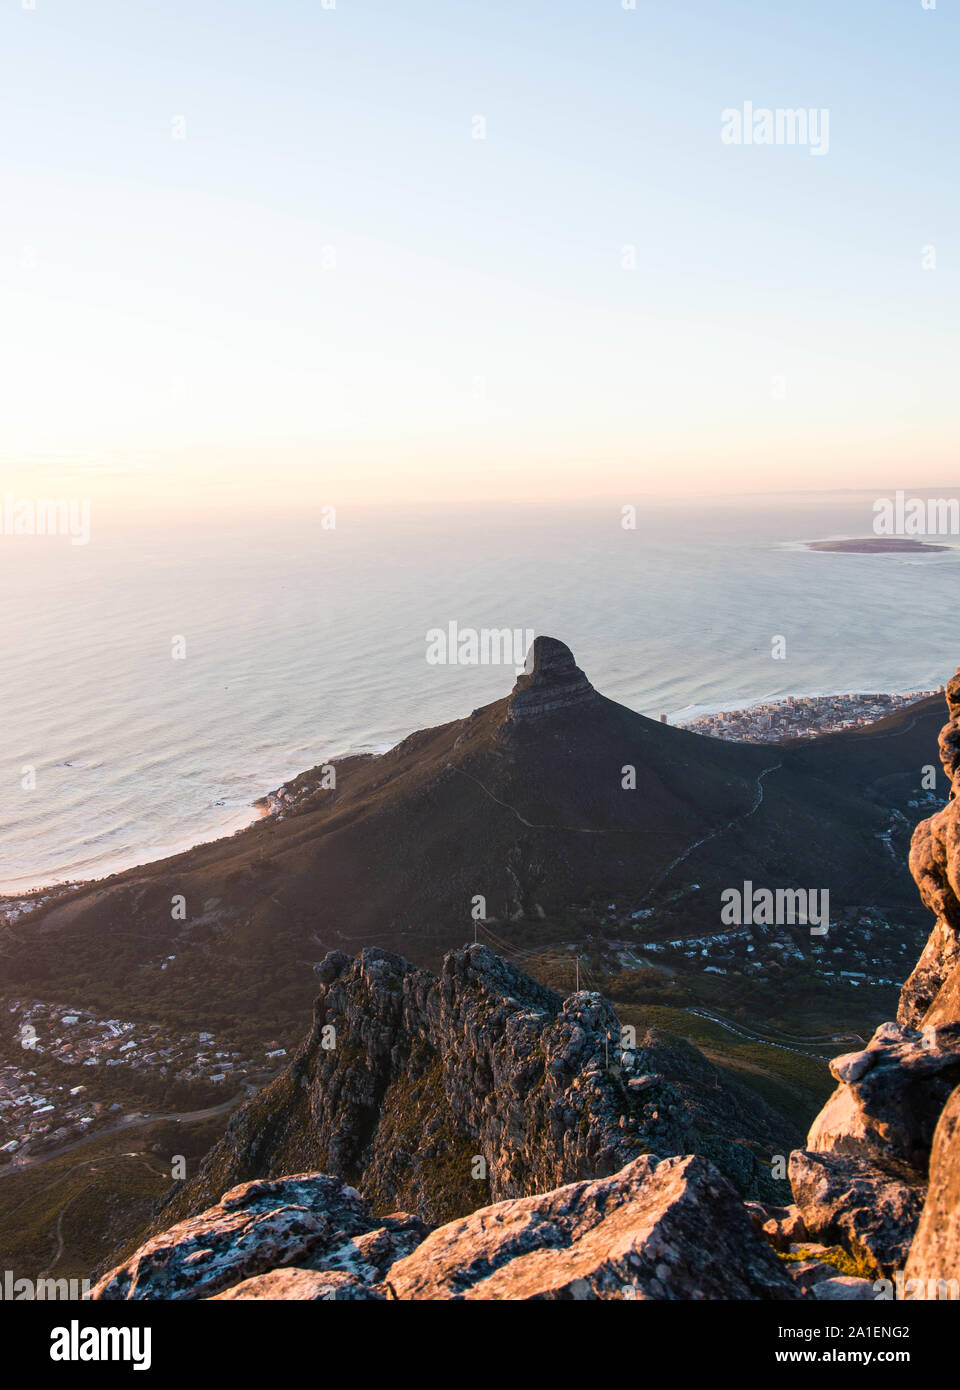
(407, 1079)
(527, 1083)
(521, 804)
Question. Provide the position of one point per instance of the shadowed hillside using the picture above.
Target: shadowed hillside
(521, 803)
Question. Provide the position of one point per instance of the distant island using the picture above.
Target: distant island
(874, 545)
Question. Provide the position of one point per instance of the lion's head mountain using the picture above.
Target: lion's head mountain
(522, 803)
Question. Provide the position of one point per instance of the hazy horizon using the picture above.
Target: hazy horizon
(354, 253)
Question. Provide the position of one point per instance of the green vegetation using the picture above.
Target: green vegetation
(83, 1211)
(426, 1159)
(859, 1266)
(648, 986)
(792, 1083)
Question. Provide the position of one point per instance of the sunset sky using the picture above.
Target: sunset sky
(328, 289)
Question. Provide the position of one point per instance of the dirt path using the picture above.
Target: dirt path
(714, 834)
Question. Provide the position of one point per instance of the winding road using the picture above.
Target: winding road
(740, 1031)
(714, 834)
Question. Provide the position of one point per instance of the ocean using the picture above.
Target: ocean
(300, 644)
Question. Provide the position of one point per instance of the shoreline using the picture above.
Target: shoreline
(247, 816)
(264, 806)
(698, 711)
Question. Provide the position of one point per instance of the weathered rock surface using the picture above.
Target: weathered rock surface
(808, 1273)
(850, 1200)
(931, 997)
(552, 681)
(890, 1097)
(932, 993)
(303, 1285)
(309, 1219)
(862, 1179)
(659, 1229)
(844, 1288)
(781, 1227)
(408, 1079)
(935, 1253)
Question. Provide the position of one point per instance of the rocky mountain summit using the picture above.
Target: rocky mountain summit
(553, 682)
(551, 1156)
(442, 1093)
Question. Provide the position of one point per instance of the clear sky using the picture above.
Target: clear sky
(252, 247)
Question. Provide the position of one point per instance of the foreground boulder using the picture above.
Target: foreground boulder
(846, 1289)
(890, 1098)
(309, 1219)
(660, 1229)
(932, 993)
(935, 1253)
(304, 1286)
(872, 1214)
(862, 1178)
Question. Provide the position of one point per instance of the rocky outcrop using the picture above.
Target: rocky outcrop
(932, 993)
(438, 1094)
(935, 1253)
(660, 1229)
(845, 1199)
(931, 999)
(669, 1229)
(551, 681)
(862, 1180)
(889, 1099)
(308, 1220)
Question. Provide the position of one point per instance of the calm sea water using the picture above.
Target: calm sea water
(303, 643)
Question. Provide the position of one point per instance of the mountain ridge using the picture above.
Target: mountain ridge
(528, 811)
(874, 1190)
(402, 1069)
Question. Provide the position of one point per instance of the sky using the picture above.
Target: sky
(276, 254)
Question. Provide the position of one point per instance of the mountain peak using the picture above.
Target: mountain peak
(552, 680)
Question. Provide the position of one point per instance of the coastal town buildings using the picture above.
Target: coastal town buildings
(807, 716)
(42, 1106)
